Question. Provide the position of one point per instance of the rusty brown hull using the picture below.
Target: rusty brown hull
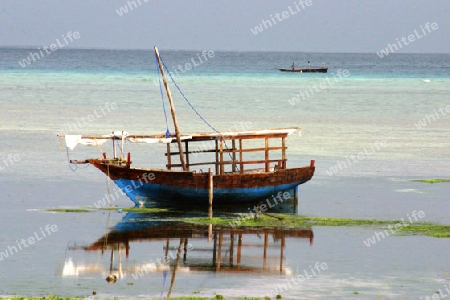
(144, 185)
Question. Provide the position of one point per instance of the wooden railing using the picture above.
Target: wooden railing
(235, 161)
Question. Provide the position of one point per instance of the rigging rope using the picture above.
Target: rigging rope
(162, 97)
(193, 108)
(73, 167)
(186, 99)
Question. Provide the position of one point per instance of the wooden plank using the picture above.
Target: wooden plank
(196, 137)
(255, 149)
(197, 164)
(232, 151)
(250, 162)
(252, 137)
(196, 151)
(79, 162)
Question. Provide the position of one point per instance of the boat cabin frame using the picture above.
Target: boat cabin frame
(225, 154)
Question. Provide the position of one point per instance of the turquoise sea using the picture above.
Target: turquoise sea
(372, 125)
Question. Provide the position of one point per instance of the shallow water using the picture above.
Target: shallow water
(394, 267)
(381, 101)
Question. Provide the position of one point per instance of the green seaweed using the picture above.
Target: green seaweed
(284, 220)
(138, 209)
(432, 180)
(69, 210)
(216, 297)
(428, 229)
(419, 228)
(49, 297)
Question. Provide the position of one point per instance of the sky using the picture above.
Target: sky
(350, 26)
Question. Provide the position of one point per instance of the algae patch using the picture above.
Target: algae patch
(289, 221)
(285, 221)
(432, 180)
(138, 209)
(69, 210)
(428, 229)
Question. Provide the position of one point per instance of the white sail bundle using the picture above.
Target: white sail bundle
(73, 140)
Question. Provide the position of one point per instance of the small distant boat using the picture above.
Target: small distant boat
(322, 69)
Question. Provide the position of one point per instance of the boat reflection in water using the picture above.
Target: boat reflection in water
(185, 247)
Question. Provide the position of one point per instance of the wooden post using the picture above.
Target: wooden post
(283, 152)
(186, 144)
(172, 110)
(128, 160)
(267, 155)
(167, 249)
(122, 146)
(211, 187)
(114, 146)
(241, 156)
(296, 200)
(169, 157)
(222, 166)
(119, 260)
(217, 156)
(233, 145)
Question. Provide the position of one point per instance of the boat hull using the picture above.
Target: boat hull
(155, 185)
(315, 70)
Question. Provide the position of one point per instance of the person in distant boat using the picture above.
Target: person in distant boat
(292, 67)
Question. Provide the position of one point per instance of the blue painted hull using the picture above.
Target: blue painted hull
(141, 192)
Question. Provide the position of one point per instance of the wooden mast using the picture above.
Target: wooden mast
(172, 110)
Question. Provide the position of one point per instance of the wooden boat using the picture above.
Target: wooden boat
(312, 70)
(322, 69)
(229, 179)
